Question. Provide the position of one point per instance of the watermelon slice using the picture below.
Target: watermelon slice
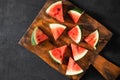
(57, 54)
(57, 30)
(93, 38)
(75, 34)
(73, 68)
(38, 36)
(78, 52)
(55, 10)
(75, 14)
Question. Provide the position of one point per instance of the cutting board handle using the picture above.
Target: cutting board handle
(107, 69)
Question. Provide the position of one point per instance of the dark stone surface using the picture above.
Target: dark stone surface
(16, 63)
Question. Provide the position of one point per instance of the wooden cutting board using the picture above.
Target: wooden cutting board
(88, 25)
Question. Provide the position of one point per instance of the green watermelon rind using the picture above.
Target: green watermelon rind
(80, 33)
(70, 73)
(76, 58)
(96, 31)
(36, 28)
(58, 61)
(32, 36)
(32, 40)
(75, 12)
(79, 10)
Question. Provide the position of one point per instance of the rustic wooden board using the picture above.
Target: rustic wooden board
(107, 69)
(88, 25)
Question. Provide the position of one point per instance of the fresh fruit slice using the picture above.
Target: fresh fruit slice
(75, 34)
(55, 10)
(57, 54)
(75, 14)
(93, 38)
(78, 52)
(57, 30)
(73, 68)
(37, 36)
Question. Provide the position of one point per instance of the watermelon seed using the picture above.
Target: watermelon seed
(74, 63)
(58, 9)
(60, 56)
(39, 39)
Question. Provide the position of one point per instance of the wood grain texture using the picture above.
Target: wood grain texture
(106, 68)
(88, 25)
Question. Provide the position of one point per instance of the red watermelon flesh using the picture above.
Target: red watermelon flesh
(78, 52)
(57, 54)
(92, 39)
(39, 36)
(75, 34)
(57, 30)
(74, 15)
(55, 10)
(73, 68)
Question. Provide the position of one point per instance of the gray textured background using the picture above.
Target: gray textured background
(16, 63)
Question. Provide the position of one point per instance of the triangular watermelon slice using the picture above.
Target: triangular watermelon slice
(92, 39)
(55, 10)
(73, 68)
(57, 30)
(75, 34)
(57, 54)
(75, 14)
(38, 36)
(78, 52)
